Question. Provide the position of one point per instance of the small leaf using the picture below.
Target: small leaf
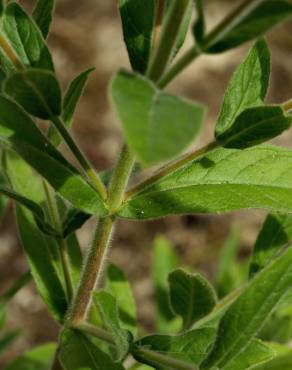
(43, 15)
(32, 51)
(38, 358)
(275, 234)
(199, 26)
(41, 253)
(191, 347)
(118, 286)
(255, 353)
(74, 220)
(247, 315)
(258, 20)
(71, 99)
(107, 307)
(19, 132)
(157, 125)
(78, 352)
(137, 20)
(255, 126)
(164, 261)
(247, 88)
(7, 340)
(37, 91)
(191, 296)
(222, 181)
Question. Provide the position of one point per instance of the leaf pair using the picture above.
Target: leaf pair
(258, 18)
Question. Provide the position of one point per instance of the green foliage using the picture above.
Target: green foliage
(158, 126)
(247, 87)
(37, 91)
(43, 15)
(191, 296)
(238, 178)
(53, 199)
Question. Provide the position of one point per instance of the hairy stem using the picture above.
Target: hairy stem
(164, 171)
(169, 35)
(158, 22)
(216, 34)
(89, 171)
(63, 248)
(95, 332)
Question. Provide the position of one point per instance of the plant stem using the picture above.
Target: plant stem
(91, 271)
(120, 179)
(63, 248)
(164, 171)
(168, 38)
(95, 332)
(89, 171)
(57, 364)
(287, 106)
(216, 34)
(158, 22)
(167, 362)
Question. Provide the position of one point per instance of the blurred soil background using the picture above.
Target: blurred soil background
(87, 33)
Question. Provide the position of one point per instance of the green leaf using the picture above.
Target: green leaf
(74, 220)
(118, 286)
(191, 347)
(164, 260)
(25, 39)
(275, 233)
(43, 15)
(255, 353)
(75, 257)
(157, 125)
(255, 126)
(37, 91)
(222, 181)
(191, 296)
(247, 315)
(38, 358)
(137, 20)
(199, 26)
(283, 362)
(260, 18)
(34, 208)
(79, 353)
(108, 309)
(18, 132)
(227, 272)
(247, 88)
(42, 254)
(71, 99)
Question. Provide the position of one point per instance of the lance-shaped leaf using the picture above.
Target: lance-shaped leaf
(191, 296)
(247, 315)
(108, 309)
(19, 132)
(38, 358)
(34, 208)
(119, 287)
(137, 21)
(259, 18)
(157, 125)
(165, 260)
(37, 91)
(78, 352)
(255, 126)
(42, 253)
(275, 233)
(222, 181)
(199, 26)
(254, 354)
(70, 101)
(247, 87)
(190, 348)
(74, 220)
(43, 15)
(31, 51)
